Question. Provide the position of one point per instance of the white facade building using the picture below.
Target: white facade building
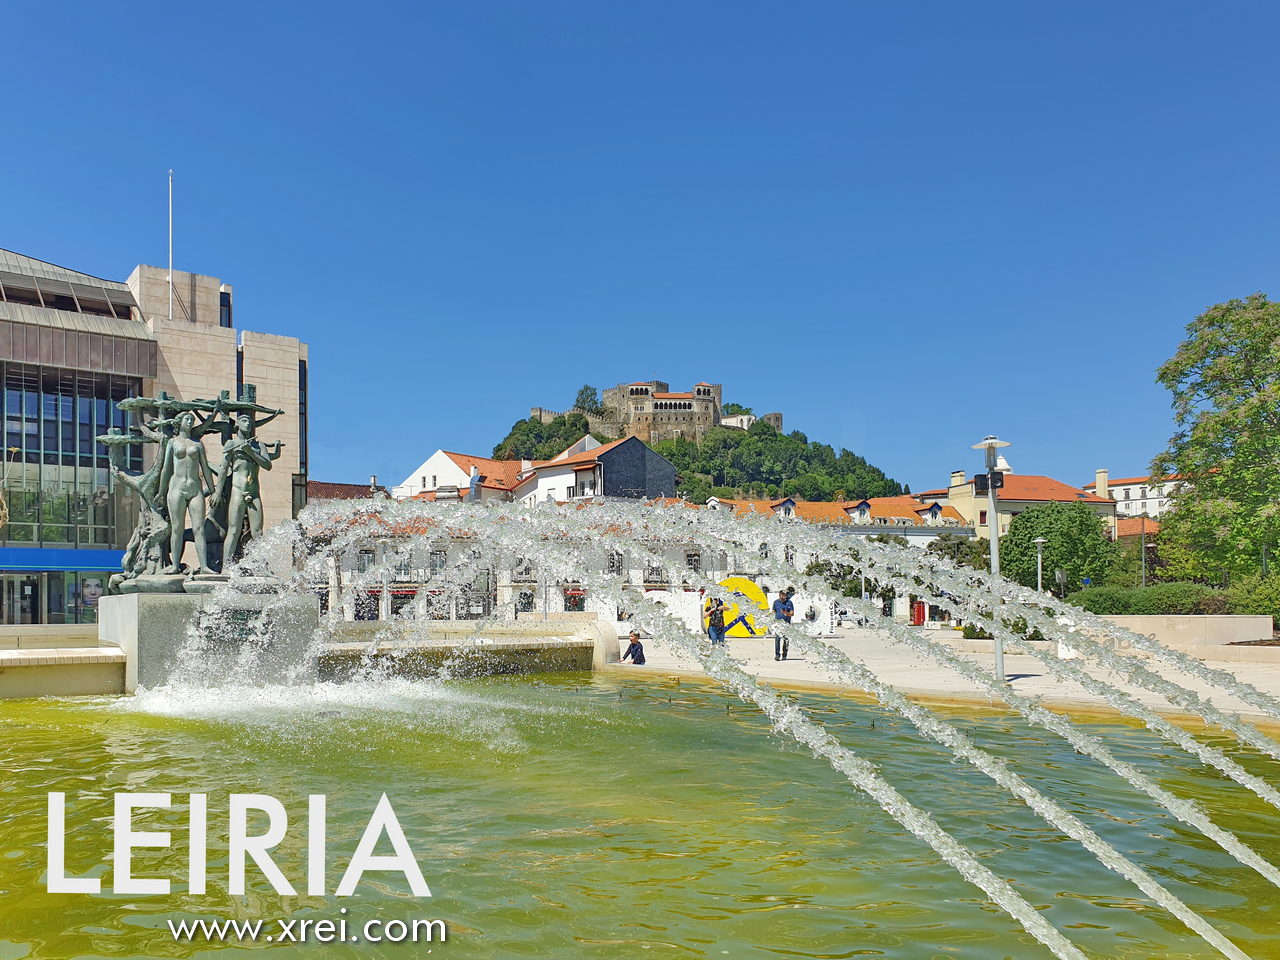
(1137, 496)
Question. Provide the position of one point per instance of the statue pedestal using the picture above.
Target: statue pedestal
(152, 630)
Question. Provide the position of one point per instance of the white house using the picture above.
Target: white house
(1137, 496)
(455, 472)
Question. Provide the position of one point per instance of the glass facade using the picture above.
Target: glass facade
(65, 510)
(56, 478)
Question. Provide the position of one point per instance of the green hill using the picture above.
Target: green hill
(738, 464)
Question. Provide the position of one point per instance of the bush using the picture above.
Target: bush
(1105, 601)
(1255, 595)
(1161, 599)
(974, 632)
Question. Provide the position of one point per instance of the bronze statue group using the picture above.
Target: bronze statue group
(182, 496)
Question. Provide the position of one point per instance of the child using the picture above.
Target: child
(635, 651)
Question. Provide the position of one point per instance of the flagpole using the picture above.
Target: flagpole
(170, 244)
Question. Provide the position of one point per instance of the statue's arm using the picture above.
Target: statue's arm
(206, 471)
(166, 474)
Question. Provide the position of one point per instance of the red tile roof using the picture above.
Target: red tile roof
(819, 511)
(673, 396)
(320, 490)
(494, 474)
(743, 507)
(1133, 526)
(1027, 486)
(587, 456)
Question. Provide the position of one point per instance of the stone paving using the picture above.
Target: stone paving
(910, 673)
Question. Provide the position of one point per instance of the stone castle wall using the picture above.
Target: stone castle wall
(659, 420)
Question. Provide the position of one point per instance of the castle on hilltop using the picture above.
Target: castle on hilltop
(649, 410)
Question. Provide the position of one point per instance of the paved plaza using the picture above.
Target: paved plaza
(910, 673)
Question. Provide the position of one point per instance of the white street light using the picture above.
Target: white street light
(991, 445)
(1040, 542)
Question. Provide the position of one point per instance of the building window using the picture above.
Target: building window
(693, 560)
(982, 518)
(575, 599)
(364, 561)
(614, 563)
(438, 560)
(224, 308)
(302, 410)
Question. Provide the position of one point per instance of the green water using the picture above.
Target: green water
(573, 817)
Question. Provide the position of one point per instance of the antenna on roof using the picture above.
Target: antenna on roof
(170, 244)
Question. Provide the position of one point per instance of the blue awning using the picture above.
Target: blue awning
(44, 558)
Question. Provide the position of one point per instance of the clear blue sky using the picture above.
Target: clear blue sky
(832, 208)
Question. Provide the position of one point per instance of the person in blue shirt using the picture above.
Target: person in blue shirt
(783, 611)
(635, 651)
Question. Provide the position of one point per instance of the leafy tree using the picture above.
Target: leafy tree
(1225, 381)
(532, 439)
(734, 409)
(971, 552)
(1077, 544)
(1126, 569)
(761, 462)
(588, 401)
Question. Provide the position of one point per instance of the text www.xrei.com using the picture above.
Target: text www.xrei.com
(306, 930)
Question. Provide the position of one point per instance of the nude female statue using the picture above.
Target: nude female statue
(242, 458)
(186, 479)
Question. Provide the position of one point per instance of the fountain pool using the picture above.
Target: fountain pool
(585, 816)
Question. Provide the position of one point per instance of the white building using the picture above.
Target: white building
(624, 468)
(1137, 496)
(457, 473)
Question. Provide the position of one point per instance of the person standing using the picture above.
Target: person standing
(715, 622)
(783, 611)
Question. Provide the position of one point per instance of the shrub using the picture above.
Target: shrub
(1105, 601)
(974, 632)
(1160, 599)
(1256, 595)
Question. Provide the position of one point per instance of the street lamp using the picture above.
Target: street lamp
(991, 445)
(1040, 542)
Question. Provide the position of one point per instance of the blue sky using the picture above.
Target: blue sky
(904, 225)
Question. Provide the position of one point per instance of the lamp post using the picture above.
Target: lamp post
(1040, 542)
(1142, 525)
(991, 445)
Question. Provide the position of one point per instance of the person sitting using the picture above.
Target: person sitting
(635, 651)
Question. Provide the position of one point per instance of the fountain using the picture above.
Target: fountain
(157, 596)
(645, 816)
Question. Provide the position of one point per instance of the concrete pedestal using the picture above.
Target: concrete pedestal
(152, 630)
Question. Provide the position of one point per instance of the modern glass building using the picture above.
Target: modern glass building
(71, 347)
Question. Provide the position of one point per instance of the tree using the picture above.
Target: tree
(972, 552)
(1126, 569)
(532, 439)
(1077, 544)
(588, 401)
(733, 410)
(1225, 381)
